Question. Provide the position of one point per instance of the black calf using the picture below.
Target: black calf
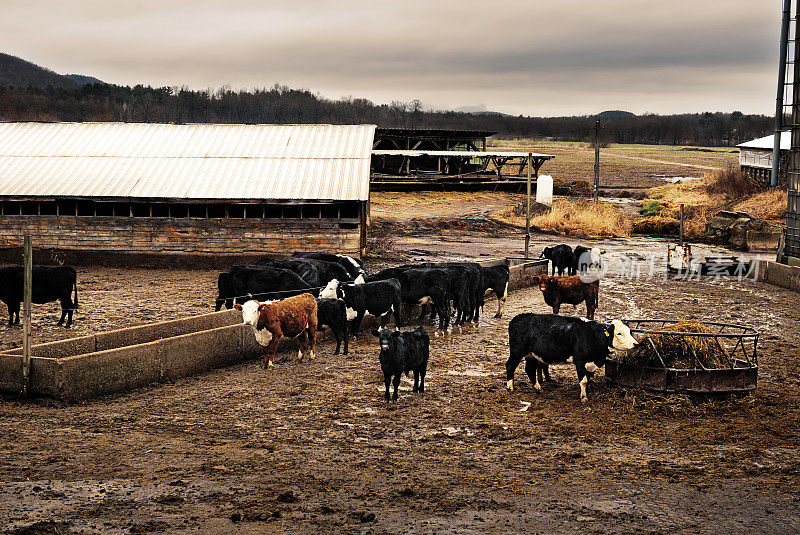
(402, 352)
(331, 314)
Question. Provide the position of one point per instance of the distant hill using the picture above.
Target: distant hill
(495, 113)
(614, 114)
(83, 80)
(20, 73)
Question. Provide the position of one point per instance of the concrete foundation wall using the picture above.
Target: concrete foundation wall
(779, 274)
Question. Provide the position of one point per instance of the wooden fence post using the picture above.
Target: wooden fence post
(26, 313)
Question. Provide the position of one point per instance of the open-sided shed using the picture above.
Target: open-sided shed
(199, 189)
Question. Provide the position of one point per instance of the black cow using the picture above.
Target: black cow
(331, 314)
(460, 290)
(422, 286)
(560, 256)
(306, 271)
(327, 270)
(581, 260)
(402, 352)
(377, 298)
(354, 266)
(48, 284)
(242, 283)
(495, 278)
(544, 339)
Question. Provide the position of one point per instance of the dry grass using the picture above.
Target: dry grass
(685, 352)
(769, 204)
(581, 218)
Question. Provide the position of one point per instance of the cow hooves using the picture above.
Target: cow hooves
(537, 387)
(584, 399)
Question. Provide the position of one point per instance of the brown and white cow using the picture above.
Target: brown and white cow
(293, 317)
(571, 291)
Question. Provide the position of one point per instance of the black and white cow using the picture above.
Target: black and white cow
(561, 258)
(306, 271)
(242, 283)
(584, 258)
(544, 339)
(332, 314)
(422, 286)
(495, 278)
(376, 298)
(327, 270)
(354, 266)
(48, 284)
(403, 352)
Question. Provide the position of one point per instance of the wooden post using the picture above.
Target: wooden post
(596, 159)
(681, 236)
(528, 211)
(27, 262)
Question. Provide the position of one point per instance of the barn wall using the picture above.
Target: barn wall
(144, 235)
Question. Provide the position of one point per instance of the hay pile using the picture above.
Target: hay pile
(677, 351)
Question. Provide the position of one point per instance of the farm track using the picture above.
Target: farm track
(311, 446)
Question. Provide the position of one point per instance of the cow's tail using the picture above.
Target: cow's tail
(75, 292)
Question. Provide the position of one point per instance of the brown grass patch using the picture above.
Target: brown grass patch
(769, 204)
(582, 218)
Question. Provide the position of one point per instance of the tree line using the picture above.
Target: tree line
(284, 105)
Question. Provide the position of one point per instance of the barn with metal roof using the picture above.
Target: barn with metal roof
(207, 189)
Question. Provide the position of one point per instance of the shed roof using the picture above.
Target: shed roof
(766, 142)
(191, 161)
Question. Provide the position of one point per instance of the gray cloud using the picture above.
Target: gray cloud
(569, 57)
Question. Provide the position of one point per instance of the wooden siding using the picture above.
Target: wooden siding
(144, 235)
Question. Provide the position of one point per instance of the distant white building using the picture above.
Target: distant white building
(755, 157)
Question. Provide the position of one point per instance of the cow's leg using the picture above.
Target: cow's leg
(10, 315)
(398, 321)
(338, 336)
(583, 379)
(15, 313)
(556, 308)
(416, 381)
(589, 309)
(269, 356)
(303, 341)
(312, 338)
(422, 380)
(511, 365)
(346, 335)
(501, 301)
(355, 325)
(396, 385)
(387, 379)
(546, 370)
(531, 368)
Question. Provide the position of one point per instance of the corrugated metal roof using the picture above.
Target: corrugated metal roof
(459, 153)
(193, 161)
(767, 142)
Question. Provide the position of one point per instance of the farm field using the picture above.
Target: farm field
(623, 166)
(312, 447)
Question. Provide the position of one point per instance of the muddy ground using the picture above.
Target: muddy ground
(312, 447)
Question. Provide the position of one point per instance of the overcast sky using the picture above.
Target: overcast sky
(530, 57)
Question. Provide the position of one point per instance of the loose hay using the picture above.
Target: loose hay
(677, 351)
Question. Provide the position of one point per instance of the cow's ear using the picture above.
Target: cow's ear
(610, 331)
(237, 306)
(375, 332)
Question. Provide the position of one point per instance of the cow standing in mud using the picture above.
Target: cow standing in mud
(544, 339)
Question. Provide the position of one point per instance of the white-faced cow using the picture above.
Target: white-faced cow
(544, 339)
(295, 317)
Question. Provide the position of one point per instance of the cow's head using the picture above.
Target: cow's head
(547, 253)
(545, 281)
(250, 312)
(617, 335)
(385, 337)
(331, 290)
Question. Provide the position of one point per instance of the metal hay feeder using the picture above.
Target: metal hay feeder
(737, 342)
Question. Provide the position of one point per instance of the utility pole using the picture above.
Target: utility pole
(784, 45)
(596, 159)
(27, 288)
(528, 210)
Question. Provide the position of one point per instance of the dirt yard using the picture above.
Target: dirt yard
(312, 447)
